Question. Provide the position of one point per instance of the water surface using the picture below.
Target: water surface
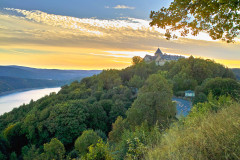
(10, 101)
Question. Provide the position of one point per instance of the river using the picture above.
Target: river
(10, 101)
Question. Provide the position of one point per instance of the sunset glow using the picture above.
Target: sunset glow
(38, 39)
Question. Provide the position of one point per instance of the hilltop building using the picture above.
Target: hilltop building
(160, 58)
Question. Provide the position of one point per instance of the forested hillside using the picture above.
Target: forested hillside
(129, 114)
(11, 84)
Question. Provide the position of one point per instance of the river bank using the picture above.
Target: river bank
(23, 90)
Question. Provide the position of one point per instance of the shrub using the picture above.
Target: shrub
(54, 150)
(99, 151)
(88, 138)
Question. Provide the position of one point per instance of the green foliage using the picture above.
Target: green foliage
(4, 147)
(14, 136)
(106, 104)
(186, 74)
(218, 18)
(110, 78)
(54, 150)
(154, 103)
(134, 143)
(221, 86)
(101, 134)
(72, 115)
(99, 151)
(212, 105)
(212, 136)
(13, 156)
(117, 129)
(136, 60)
(88, 138)
(97, 117)
(2, 156)
(97, 101)
(136, 149)
(30, 153)
(200, 98)
(136, 82)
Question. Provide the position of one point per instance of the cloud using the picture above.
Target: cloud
(94, 43)
(123, 7)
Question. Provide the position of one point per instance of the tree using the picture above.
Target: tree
(67, 121)
(136, 82)
(54, 150)
(30, 153)
(88, 138)
(118, 128)
(100, 151)
(220, 18)
(97, 117)
(154, 103)
(200, 98)
(109, 79)
(2, 156)
(4, 147)
(13, 156)
(107, 105)
(136, 60)
(221, 86)
(15, 137)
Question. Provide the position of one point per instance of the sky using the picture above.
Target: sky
(94, 34)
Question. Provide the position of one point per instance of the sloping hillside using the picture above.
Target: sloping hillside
(19, 77)
(52, 74)
(124, 105)
(10, 84)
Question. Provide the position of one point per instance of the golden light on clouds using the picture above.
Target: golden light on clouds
(39, 39)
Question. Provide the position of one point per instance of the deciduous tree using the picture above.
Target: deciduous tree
(220, 18)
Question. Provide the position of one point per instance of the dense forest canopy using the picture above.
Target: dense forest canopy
(104, 116)
(220, 18)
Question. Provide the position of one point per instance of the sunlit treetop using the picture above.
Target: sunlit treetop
(220, 18)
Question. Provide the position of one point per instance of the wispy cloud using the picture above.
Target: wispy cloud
(81, 42)
(123, 7)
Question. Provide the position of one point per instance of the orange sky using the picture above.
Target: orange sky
(42, 40)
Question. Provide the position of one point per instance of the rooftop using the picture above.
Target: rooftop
(158, 51)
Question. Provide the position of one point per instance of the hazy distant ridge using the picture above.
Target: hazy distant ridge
(54, 74)
(19, 77)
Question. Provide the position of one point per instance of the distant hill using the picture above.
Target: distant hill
(50, 74)
(20, 77)
(10, 84)
(236, 71)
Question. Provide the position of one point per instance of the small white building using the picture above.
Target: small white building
(189, 93)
